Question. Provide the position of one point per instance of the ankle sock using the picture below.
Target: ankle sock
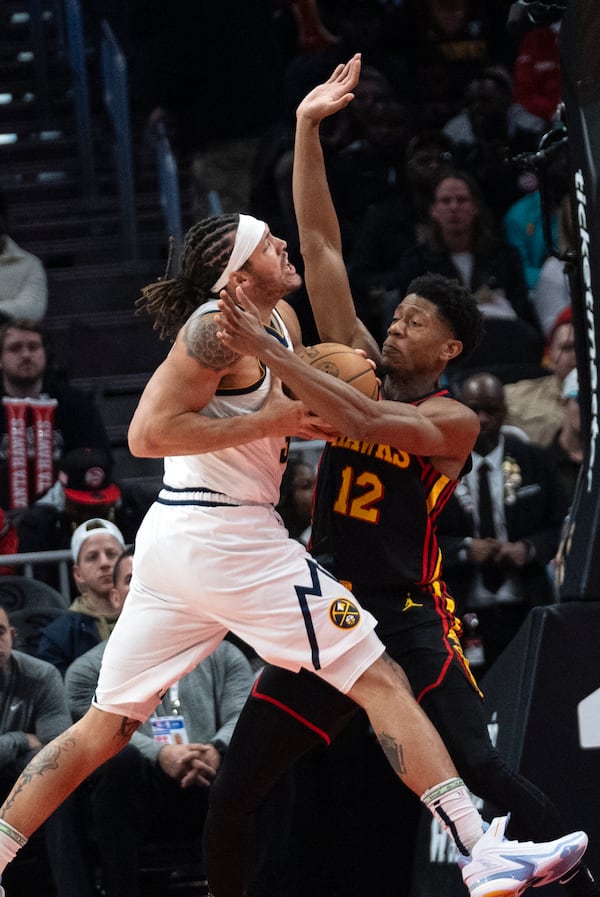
(11, 841)
(453, 807)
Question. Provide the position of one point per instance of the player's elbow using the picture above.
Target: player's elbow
(362, 420)
(313, 245)
(142, 440)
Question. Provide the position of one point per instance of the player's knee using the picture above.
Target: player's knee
(230, 795)
(383, 677)
(102, 735)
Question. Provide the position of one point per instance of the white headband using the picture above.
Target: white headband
(249, 234)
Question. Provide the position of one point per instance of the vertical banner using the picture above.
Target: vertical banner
(42, 411)
(30, 431)
(18, 457)
(580, 66)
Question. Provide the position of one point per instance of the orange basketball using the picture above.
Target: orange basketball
(343, 362)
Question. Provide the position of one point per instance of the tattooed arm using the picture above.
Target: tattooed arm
(167, 420)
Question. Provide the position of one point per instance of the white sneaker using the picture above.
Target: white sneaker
(498, 867)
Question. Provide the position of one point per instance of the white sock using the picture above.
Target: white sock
(11, 841)
(453, 807)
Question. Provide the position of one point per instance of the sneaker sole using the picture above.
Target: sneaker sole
(502, 887)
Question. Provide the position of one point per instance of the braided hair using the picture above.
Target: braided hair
(206, 251)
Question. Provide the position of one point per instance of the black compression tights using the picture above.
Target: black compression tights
(266, 743)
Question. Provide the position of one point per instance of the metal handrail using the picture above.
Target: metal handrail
(81, 92)
(30, 559)
(36, 30)
(168, 177)
(116, 101)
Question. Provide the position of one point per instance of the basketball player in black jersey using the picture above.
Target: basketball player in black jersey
(379, 491)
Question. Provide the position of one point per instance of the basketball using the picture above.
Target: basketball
(343, 362)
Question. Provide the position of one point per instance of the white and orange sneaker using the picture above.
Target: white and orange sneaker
(501, 868)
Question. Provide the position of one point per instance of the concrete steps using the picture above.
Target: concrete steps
(97, 339)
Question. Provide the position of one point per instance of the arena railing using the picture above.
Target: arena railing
(116, 100)
(28, 560)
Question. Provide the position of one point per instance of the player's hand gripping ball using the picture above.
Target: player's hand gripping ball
(342, 362)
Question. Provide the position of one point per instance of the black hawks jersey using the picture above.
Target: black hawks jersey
(375, 513)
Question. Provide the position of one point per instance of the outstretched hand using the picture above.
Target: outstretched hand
(240, 326)
(328, 98)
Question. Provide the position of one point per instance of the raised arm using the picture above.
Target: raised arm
(320, 240)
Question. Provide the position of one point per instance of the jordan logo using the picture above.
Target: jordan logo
(410, 603)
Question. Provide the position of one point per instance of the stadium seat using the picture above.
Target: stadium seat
(29, 622)
(22, 592)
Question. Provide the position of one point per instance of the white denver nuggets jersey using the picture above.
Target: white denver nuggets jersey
(249, 472)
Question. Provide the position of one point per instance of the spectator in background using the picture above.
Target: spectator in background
(84, 490)
(33, 711)
(553, 292)
(395, 224)
(536, 405)
(95, 546)
(296, 496)
(455, 38)
(358, 25)
(462, 245)
(566, 448)
(523, 223)
(23, 281)
(365, 150)
(488, 132)
(165, 773)
(501, 528)
(9, 541)
(365, 171)
(536, 73)
(41, 417)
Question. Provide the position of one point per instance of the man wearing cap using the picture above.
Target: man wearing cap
(85, 477)
(84, 488)
(95, 546)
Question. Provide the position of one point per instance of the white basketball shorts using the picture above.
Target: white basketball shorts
(201, 569)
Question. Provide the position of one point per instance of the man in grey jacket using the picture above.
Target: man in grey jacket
(33, 711)
(157, 787)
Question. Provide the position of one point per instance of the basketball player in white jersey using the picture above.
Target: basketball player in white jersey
(212, 555)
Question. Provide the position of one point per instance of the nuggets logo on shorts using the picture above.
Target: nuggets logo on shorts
(344, 614)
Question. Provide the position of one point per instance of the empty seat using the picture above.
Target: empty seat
(18, 592)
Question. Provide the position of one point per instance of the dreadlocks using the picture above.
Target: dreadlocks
(206, 250)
